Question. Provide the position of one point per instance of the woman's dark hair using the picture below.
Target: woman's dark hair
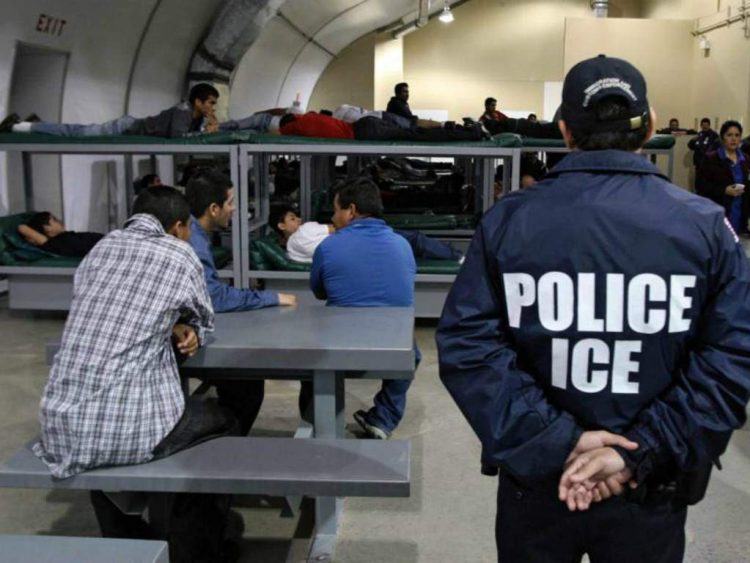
(202, 92)
(277, 215)
(165, 203)
(206, 187)
(39, 220)
(727, 125)
(288, 118)
(363, 193)
(611, 108)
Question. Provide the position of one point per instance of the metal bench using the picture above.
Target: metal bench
(56, 549)
(269, 466)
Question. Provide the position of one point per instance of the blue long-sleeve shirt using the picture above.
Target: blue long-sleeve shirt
(226, 298)
(365, 264)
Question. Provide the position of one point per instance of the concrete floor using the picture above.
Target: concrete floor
(448, 518)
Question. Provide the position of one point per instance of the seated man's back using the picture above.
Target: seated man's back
(365, 264)
(114, 391)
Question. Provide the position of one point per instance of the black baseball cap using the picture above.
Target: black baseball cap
(590, 81)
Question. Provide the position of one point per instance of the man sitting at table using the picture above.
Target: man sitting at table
(211, 197)
(114, 395)
(301, 239)
(365, 264)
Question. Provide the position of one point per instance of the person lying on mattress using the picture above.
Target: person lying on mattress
(48, 233)
(302, 238)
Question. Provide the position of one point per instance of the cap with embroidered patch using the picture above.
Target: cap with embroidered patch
(590, 81)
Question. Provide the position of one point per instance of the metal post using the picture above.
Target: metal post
(28, 181)
(305, 184)
(238, 254)
(328, 397)
(240, 218)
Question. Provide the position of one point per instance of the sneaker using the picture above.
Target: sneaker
(370, 429)
(6, 125)
(33, 118)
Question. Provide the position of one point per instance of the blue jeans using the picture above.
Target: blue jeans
(115, 127)
(259, 122)
(390, 402)
(426, 247)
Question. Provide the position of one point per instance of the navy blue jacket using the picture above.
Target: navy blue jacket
(604, 297)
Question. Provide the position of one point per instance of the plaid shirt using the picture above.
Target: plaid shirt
(114, 390)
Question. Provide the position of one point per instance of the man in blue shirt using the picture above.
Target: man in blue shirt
(365, 264)
(596, 339)
(211, 198)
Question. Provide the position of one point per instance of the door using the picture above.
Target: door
(37, 86)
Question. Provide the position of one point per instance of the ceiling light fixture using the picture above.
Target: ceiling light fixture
(446, 16)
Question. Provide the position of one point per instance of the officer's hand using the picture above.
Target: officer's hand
(594, 439)
(613, 486)
(734, 191)
(287, 299)
(588, 470)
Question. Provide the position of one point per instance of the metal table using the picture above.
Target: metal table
(325, 343)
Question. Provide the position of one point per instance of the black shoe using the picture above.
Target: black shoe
(33, 118)
(6, 125)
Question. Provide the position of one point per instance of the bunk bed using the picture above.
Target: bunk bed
(46, 284)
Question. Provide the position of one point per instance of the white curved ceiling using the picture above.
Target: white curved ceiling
(297, 44)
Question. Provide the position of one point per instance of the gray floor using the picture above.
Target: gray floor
(448, 518)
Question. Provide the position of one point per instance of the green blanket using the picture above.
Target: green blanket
(267, 254)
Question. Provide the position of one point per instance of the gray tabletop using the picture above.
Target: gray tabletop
(311, 337)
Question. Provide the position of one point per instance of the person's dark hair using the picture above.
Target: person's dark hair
(488, 101)
(206, 187)
(611, 108)
(727, 125)
(674, 119)
(363, 193)
(39, 220)
(705, 120)
(202, 92)
(142, 183)
(400, 86)
(288, 118)
(165, 203)
(531, 115)
(277, 215)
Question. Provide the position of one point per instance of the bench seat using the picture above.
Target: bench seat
(236, 465)
(57, 549)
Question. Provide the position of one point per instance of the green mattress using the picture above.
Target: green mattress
(505, 140)
(11, 256)
(267, 254)
(656, 142)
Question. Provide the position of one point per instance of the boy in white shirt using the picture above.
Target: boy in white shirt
(303, 238)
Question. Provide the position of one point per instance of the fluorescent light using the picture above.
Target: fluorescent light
(446, 16)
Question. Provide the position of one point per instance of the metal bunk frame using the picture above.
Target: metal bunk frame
(50, 288)
(431, 289)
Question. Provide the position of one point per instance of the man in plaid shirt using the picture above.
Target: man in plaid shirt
(114, 395)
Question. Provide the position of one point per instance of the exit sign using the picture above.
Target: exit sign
(50, 24)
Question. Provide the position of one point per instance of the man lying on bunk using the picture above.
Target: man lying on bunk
(372, 128)
(365, 264)
(189, 118)
(48, 233)
(301, 239)
(211, 198)
(114, 395)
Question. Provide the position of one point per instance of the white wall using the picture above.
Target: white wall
(102, 38)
